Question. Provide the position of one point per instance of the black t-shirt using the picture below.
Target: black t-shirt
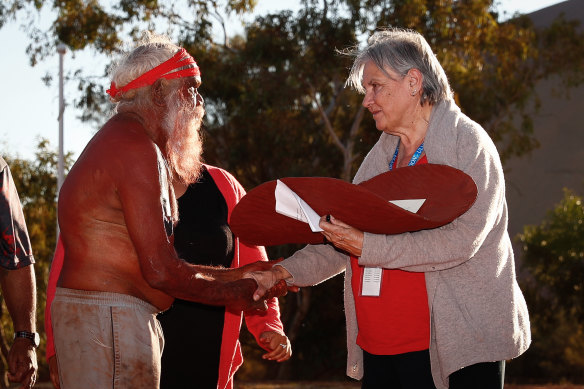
(193, 331)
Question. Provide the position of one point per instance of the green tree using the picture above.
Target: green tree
(284, 74)
(36, 182)
(553, 257)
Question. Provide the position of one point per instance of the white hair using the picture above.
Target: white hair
(401, 50)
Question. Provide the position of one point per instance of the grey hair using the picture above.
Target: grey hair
(149, 52)
(402, 50)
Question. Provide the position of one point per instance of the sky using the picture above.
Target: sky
(30, 110)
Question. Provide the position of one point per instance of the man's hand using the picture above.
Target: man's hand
(277, 344)
(22, 363)
(245, 290)
(54, 372)
(267, 280)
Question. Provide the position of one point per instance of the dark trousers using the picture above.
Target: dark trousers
(401, 371)
(486, 375)
(412, 371)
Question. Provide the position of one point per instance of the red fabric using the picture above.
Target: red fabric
(179, 60)
(56, 267)
(231, 357)
(398, 320)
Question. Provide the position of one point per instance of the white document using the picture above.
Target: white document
(412, 205)
(290, 204)
(371, 281)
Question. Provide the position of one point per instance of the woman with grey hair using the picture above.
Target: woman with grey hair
(448, 311)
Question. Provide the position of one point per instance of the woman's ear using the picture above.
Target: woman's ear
(415, 79)
(157, 92)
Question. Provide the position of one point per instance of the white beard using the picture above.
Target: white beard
(184, 146)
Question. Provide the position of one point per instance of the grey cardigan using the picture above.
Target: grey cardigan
(477, 311)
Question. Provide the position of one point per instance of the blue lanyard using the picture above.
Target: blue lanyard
(414, 159)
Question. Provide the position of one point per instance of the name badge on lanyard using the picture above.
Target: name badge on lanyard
(371, 283)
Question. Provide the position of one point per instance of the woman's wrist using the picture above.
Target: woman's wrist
(280, 273)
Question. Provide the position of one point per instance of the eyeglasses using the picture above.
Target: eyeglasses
(196, 96)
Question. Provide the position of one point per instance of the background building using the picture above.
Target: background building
(535, 182)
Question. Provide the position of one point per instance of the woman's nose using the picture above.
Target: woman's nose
(367, 100)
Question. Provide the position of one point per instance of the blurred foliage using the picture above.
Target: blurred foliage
(281, 85)
(277, 106)
(36, 182)
(553, 257)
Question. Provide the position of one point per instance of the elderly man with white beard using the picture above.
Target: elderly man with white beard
(117, 210)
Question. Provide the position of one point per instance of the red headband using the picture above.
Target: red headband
(164, 70)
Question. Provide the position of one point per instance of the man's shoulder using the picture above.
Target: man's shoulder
(125, 126)
(121, 148)
(122, 137)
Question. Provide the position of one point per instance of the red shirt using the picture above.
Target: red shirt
(398, 320)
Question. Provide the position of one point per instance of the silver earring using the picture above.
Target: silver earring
(414, 92)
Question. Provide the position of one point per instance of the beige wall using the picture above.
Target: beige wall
(535, 181)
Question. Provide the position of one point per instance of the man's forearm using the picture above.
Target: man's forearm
(19, 291)
(203, 288)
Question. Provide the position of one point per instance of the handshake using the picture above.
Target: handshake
(255, 283)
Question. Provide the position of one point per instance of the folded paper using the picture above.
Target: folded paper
(412, 205)
(290, 204)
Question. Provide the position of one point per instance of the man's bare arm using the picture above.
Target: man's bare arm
(215, 286)
(19, 291)
(140, 192)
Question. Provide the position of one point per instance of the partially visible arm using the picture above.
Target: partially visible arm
(266, 327)
(17, 280)
(19, 291)
(270, 320)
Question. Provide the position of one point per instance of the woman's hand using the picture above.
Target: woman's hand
(277, 344)
(342, 235)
